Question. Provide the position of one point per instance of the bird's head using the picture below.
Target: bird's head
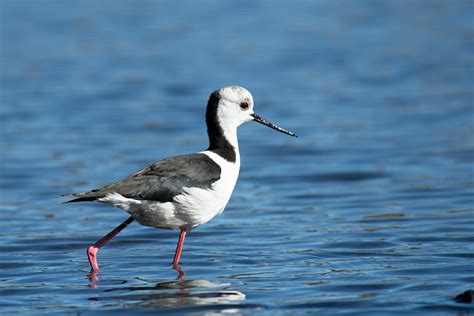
(232, 106)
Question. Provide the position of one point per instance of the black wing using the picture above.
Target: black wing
(161, 181)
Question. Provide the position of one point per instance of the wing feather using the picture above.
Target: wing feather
(161, 181)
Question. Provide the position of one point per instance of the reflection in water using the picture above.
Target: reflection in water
(93, 275)
(172, 294)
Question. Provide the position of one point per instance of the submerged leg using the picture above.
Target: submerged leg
(94, 248)
(177, 254)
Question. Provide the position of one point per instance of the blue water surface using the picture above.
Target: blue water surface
(370, 211)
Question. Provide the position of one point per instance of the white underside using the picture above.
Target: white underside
(192, 208)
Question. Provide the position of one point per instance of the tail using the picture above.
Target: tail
(84, 196)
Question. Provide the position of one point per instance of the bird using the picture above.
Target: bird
(185, 191)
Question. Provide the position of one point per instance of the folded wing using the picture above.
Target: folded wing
(161, 181)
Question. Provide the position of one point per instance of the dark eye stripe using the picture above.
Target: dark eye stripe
(244, 105)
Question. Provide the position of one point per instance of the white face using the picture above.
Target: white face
(235, 106)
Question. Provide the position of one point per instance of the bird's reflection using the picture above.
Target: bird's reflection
(93, 276)
(175, 293)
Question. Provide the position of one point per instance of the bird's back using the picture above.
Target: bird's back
(161, 181)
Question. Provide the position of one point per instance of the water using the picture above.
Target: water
(369, 211)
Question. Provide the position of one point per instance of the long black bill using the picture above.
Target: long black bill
(263, 121)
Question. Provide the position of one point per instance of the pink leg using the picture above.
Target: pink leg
(94, 248)
(179, 247)
(177, 255)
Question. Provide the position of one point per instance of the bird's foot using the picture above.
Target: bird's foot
(181, 272)
(93, 278)
(92, 256)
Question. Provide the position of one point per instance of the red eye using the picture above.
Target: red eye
(244, 105)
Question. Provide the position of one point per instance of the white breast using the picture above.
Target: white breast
(198, 206)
